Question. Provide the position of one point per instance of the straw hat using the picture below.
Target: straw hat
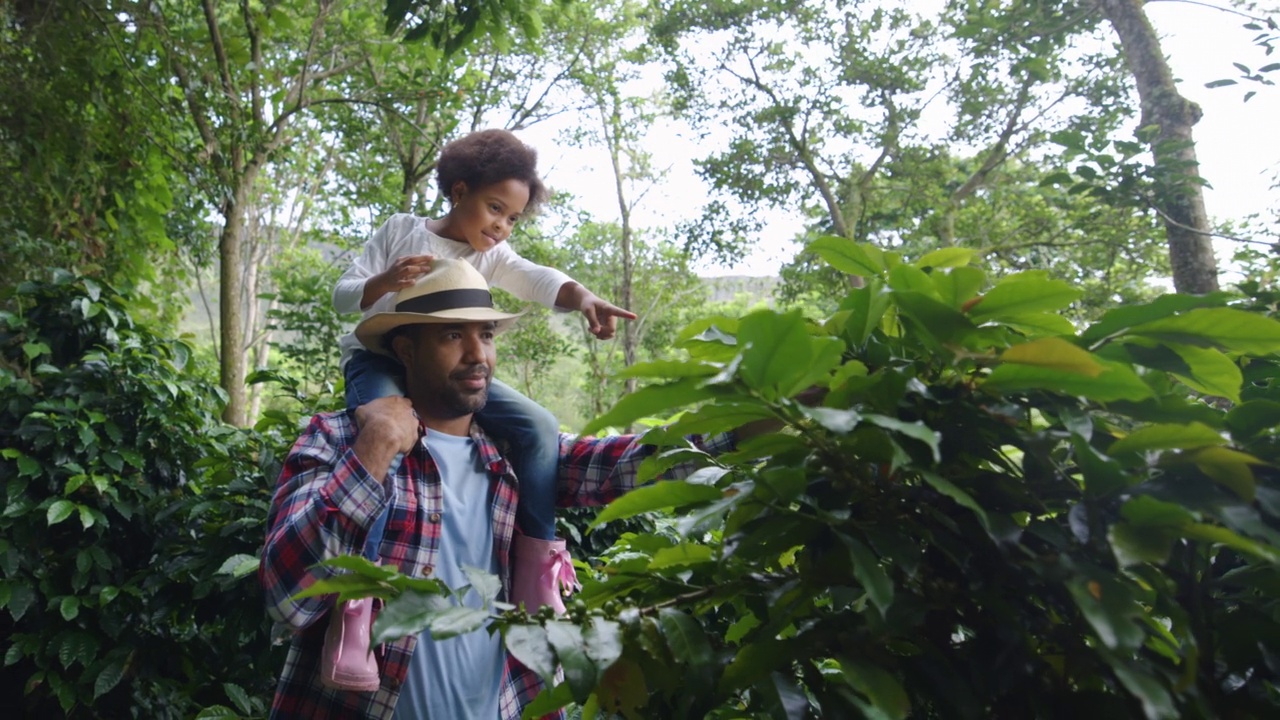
(453, 291)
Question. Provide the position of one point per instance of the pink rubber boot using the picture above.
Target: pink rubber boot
(540, 571)
(347, 661)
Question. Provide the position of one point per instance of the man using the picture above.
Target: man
(448, 499)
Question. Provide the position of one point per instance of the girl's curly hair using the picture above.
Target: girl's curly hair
(485, 157)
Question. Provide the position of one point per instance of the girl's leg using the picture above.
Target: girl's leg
(533, 436)
(370, 376)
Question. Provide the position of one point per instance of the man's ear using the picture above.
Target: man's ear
(402, 347)
(458, 191)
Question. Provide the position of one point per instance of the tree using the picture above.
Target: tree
(1178, 195)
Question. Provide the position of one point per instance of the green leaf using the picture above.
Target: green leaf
(79, 647)
(239, 697)
(21, 597)
(1230, 468)
(1167, 437)
(1223, 536)
(1117, 320)
(961, 498)
(872, 577)
(1225, 328)
(866, 308)
(1134, 544)
(719, 417)
(218, 712)
(579, 670)
(1250, 418)
(947, 257)
(548, 701)
(60, 510)
(917, 430)
(779, 354)
(457, 620)
(1109, 607)
(686, 640)
(849, 257)
(908, 278)
(958, 285)
(1055, 354)
(108, 678)
(529, 645)
(1116, 382)
(1029, 292)
(69, 607)
(942, 322)
(1209, 371)
(347, 587)
(681, 555)
(486, 584)
(1040, 324)
(882, 689)
(603, 641)
(238, 565)
(658, 496)
(652, 400)
(407, 614)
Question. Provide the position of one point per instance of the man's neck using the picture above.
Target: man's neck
(458, 427)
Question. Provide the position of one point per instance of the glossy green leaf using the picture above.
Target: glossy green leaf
(238, 565)
(1040, 324)
(60, 510)
(908, 278)
(1146, 511)
(866, 307)
(1135, 544)
(551, 699)
(962, 498)
(1252, 417)
(1223, 536)
(882, 689)
(1209, 371)
(486, 584)
(667, 370)
(947, 257)
(942, 322)
(917, 430)
(1021, 294)
(602, 640)
(1117, 320)
(1110, 609)
(1055, 354)
(457, 620)
(1225, 328)
(651, 400)
(870, 574)
(408, 614)
(108, 678)
(687, 641)
(848, 257)
(719, 417)
(1157, 703)
(1229, 468)
(579, 669)
(681, 555)
(1167, 437)
(1116, 382)
(529, 645)
(958, 286)
(658, 496)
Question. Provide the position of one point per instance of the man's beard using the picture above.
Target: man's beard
(457, 402)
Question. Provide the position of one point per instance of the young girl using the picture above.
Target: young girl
(491, 180)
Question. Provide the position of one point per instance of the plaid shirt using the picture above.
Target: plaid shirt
(324, 504)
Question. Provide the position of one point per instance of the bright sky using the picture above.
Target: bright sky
(1237, 142)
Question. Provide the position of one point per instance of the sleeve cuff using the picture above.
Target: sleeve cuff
(353, 492)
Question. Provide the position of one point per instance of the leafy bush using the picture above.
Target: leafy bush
(990, 514)
(131, 519)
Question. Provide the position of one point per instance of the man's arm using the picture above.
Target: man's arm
(594, 471)
(328, 495)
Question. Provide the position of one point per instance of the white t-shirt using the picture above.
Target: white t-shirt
(458, 678)
(404, 234)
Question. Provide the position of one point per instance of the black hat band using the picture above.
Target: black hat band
(446, 300)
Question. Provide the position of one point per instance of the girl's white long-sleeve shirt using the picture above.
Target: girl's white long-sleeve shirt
(404, 234)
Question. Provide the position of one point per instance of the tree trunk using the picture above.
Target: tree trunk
(1179, 198)
(232, 365)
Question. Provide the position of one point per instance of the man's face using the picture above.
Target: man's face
(448, 367)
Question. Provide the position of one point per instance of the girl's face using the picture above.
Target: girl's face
(484, 217)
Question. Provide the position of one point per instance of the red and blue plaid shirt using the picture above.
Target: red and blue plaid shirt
(324, 504)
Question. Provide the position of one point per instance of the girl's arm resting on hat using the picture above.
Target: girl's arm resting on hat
(602, 316)
(402, 273)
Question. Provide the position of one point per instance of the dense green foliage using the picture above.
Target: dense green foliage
(132, 517)
(991, 513)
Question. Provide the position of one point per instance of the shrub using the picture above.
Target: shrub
(132, 518)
